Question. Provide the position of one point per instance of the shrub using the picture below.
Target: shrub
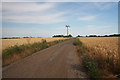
(77, 42)
(92, 67)
(89, 63)
(11, 54)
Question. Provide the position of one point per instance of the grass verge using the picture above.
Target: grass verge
(91, 65)
(14, 53)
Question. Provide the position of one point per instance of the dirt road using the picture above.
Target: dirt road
(58, 61)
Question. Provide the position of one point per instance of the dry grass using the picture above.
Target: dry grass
(14, 53)
(11, 42)
(105, 51)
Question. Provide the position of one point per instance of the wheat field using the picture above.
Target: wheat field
(103, 49)
(105, 45)
(11, 42)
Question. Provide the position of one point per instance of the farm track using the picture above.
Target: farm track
(58, 61)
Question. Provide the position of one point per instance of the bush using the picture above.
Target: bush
(12, 50)
(92, 67)
(24, 50)
(77, 42)
(90, 64)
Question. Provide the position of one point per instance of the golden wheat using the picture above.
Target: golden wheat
(103, 49)
(104, 44)
(11, 42)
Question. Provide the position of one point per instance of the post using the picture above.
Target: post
(67, 29)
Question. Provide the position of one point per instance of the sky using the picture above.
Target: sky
(45, 19)
(60, 0)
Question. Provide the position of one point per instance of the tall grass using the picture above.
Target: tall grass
(97, 64)
(90, 64)
(80, 48)
(16, 52)
(106, 52)
(12, 42)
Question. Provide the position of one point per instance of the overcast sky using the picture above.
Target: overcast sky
(45, 19)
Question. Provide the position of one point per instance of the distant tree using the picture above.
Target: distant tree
(26, 37)
(79, 36)
(92, 35)
(58, 36)
(106, 36)
(69, 35)
(114, 35)
(11, 38)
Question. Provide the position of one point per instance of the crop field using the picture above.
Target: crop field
(104, 46)
(11, 42)
(104, 50)
(15, 49)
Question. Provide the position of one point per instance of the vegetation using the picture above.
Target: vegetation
(62, 35)
(6, 43)
(99, 56)
(11, 38)
(68, 35)
(16, 52)
(112, 35)
(58, 36)
(92, 67)
(90, 64)
(79, 36)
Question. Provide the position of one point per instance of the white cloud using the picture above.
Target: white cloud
(60, 0)
(43, 19)
(27, 7)
(40, 13)
(87, 18)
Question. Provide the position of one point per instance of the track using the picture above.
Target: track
(58, 61)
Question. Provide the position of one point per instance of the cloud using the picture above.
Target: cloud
(40, 13)
(22, 32)
(27, 7)
(104, 6)
(33, 31)
(43, 19)
(60, 0)
(87, 7)
(87, 18)
(93, 29)
(45, 13)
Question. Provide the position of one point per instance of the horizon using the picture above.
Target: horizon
(109, 35)
(45, 19)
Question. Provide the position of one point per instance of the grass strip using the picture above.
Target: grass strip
(89, 63)
(14, 53)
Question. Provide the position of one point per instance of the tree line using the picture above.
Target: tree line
(112, 35)
(62, 35)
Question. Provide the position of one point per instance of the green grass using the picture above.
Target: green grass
(90, 64)
(92, 67)
(80, 48)
(21, 51)
(13, 50)
(77, 42)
